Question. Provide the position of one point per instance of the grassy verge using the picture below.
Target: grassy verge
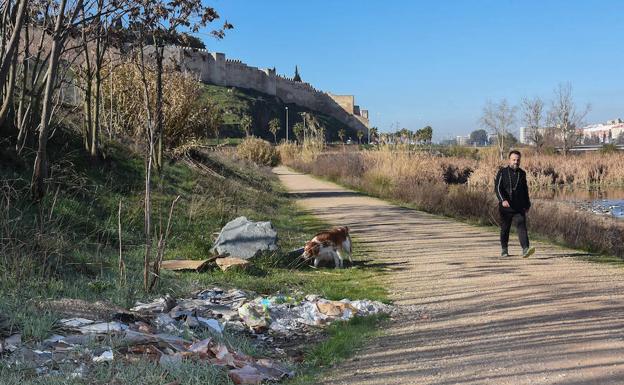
(67, 247)
(345, 339)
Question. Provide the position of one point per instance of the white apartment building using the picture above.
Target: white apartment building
(603, 132)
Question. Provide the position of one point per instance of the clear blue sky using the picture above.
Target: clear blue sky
(436, 63)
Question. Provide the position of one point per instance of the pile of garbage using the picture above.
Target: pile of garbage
(168, 331)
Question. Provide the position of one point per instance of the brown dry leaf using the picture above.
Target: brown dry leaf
(246, 375)
(200, 346)
(220, 351)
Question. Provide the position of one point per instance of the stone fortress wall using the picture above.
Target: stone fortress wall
(215, 68)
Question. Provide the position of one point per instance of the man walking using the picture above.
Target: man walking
(513, 202)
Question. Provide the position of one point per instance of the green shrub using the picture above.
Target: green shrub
(460, 151)
(609, 148)
(258, 151)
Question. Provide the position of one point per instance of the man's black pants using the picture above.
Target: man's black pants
(507, 216)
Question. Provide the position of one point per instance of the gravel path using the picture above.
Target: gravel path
(470, 317)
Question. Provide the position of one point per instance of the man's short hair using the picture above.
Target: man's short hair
(514, 152)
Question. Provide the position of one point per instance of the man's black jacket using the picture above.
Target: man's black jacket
(511, 186)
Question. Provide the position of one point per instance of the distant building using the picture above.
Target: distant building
(448, 142)
(603, 132)
(524, 136)
(462, 140)
(527, 136)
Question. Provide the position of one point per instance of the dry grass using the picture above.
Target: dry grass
(258, 151)
(583, 170)
(461, 188)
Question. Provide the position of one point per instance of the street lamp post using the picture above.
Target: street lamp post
(286, 124)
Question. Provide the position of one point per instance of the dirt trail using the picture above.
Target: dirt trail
(470, 316)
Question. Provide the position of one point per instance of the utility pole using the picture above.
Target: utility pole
(286, 124)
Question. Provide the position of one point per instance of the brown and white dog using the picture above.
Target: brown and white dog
(329, 245)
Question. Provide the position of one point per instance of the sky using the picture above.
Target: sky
(417, 63)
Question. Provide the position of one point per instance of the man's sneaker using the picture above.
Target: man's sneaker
(526, 253)
(504, 253)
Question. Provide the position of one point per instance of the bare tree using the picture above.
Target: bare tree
(498, 118)
(12, 14)
(62, 27)
(156, 22)
(33, 71)
(532, 111)
(96, 38)
(565, 118)
(159, 22)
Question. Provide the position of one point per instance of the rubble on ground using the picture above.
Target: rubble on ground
(168, 331)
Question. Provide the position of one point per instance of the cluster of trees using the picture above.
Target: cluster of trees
(309, 127)
(559, 124)
(113, 52)
(481, 138)
(404, 135)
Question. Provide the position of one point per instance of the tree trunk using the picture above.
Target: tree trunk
(8, 99)
(149, 156)
(95, 127)
(20, 118)
(86, 106)
(159, 107)
(100, 48)
(13, 43)
(40, 169)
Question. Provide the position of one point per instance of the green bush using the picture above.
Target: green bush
(608, 148)
(258, 151)
(460, 151)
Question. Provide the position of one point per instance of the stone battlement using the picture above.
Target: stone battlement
(215, 68)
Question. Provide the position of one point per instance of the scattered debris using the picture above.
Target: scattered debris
(159, 306)
(211, 323)
(229, 262)
(102, 328)
(78, 308)
(75, 322)
(154, 333)
(186, 264)
(11, 343)
(245, 239)
(106, 356)
(246, 375)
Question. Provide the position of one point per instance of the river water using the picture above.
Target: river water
(608, 201)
